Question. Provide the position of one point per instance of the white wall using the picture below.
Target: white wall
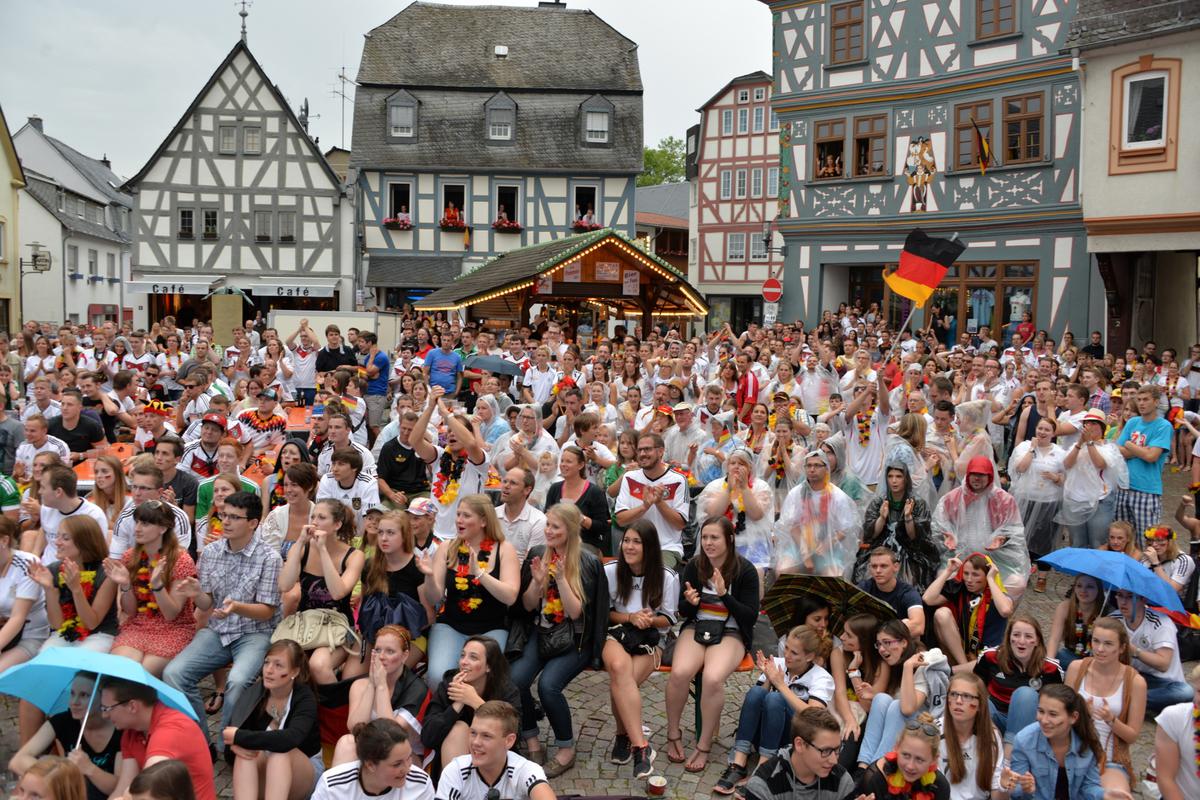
(1174, 305)
(835, 284)
(42, 291)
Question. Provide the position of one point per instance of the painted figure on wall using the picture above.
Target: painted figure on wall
(920, 166)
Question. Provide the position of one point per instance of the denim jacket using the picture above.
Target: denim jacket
(1032, 753)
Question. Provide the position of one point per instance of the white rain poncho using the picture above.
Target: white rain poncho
(899, 450)
(967, 522)
(818, 530)
(753, 541)
(1086, 485)
(974, 439)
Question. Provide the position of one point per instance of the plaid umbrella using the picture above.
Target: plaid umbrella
(844, 599)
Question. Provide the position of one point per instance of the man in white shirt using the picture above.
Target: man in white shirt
(522, 523)
(658, 494)
(539, 379)
(340, 437)
(346, 481)
(37, 440)
(1154, 650)
(492, 769)
(42, 403)
(1175, 746)
(682, 440)
(866, 457)
(60, 499)
(304, 363)
(146, 485)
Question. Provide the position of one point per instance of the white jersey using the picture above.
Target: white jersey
(51, 519)
(26, 452)
(461, 781)
(123, 540)
(48, 413)
(362, 495)
(304, 367)
(472, 480)
(325, 459)
(343, 782)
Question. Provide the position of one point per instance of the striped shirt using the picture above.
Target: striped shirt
(461, 780)
(122, 539)
(344, 782)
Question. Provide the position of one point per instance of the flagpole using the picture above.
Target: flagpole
(908, 319)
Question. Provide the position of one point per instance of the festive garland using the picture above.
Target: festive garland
(778, 465)
(899, 786)
(463, 580)
(72, 628)
(450, 470)
(552, 607)
(736, 511)
(1082, 635)
(1196, 735)
(141, 584)
(862, 421)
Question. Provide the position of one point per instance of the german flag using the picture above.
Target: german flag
(923, 264)
(983, 150)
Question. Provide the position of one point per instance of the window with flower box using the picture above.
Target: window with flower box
(287, 226)
(735, 247)
(400, 200)
(187, 218)
(262, 226)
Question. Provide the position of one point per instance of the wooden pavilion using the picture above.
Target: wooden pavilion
(599, 274)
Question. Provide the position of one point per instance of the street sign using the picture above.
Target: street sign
(770, 313)
(772, 290)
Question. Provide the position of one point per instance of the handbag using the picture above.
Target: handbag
(319, 627)
(636, 641)
(556, 641)
(708, 631)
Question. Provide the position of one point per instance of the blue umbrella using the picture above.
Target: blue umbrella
(45, 681)
(494, 364)
(1117, 571)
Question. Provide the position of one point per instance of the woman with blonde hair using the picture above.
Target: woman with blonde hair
(474, 577)
(564, 589)
(910, 770)
(110, 489)
(51, 778)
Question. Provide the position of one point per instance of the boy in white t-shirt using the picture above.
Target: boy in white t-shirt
(1154, 650)
(492, 765)
(1175, 747)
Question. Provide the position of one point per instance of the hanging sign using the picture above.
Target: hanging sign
(545, 285)
(573, 272)
(608, 271)
(631, 282)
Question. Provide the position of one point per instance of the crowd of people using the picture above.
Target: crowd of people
(392, 588)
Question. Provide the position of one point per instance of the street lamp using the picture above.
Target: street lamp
(766, 240)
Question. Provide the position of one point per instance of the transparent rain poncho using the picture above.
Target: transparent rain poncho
(818, 530)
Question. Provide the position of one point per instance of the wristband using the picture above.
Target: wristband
(157, 588)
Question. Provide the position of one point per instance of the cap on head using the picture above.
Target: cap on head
(422, 507)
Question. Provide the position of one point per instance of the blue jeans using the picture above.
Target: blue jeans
(1022, 711)
(1065, 658)
(556, 674)
(445, 646)
(206, 655)
(1093, 533)
(763, 721)
(1161, 693)
(884, 724)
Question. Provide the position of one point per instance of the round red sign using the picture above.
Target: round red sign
(772, 290)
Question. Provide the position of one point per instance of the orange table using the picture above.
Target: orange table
(85, 471)
(299, 418)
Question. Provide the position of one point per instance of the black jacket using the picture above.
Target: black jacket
(300, 730)
(593, 504)
(741, 598)
(592, 628)
(441, 716)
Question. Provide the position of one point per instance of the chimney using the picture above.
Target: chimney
(36, 122)
(104, 160)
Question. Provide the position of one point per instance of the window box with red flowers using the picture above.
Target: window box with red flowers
(579, 226)
(507, 226)
(397, 224)
(452, 224)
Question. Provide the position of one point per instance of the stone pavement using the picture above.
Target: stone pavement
(589, 699)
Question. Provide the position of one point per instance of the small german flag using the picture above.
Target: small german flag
(983, 150)
(923, 264)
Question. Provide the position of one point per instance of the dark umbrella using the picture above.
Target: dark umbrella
(494, 364)
(844, 599)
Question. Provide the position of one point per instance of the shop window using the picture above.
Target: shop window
(995, 18)
(1019, 271)
(981, 271)
(870, 145)
(1023, 128)
(585, 202)
(507, 199)
(846, 32)
(210, 223)
(399, 200)
(830, 141)
(966, 151)
(187, 218)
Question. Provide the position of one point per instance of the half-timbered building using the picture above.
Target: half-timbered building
(239, 195)
(884, 109)
(734, 185)
(482, 129)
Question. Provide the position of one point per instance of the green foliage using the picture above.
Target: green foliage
(663, 164)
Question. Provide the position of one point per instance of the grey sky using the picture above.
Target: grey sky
(114, 77)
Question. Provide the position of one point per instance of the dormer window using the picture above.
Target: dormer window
(596, 118)
(402, 116)
(501, 118)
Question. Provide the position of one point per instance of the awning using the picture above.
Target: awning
(170, 284)
(286, 287)
(413, 272)
(203, 284)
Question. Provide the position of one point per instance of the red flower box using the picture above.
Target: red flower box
(580, 226)
(394, 224)
(507, 226)
(452, 225)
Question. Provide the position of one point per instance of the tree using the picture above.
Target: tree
(663, 164)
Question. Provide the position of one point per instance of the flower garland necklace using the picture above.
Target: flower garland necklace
(1196, 735)
(862, 421)
(141, 584)
(552, 608)
(779, 465)
(72, 628)
(464, 582)
(899, 786)
(1082, 635)
(736, 511)
(450, 470)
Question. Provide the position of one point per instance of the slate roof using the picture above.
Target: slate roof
(450, 133)
(663, 200)
(1102, 23)
(415, 272)
(45, 193)
(432, 45)
(517, 266)
(100, 176)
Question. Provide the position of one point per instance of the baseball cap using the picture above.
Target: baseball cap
(422, 507)
(215, 419)
(681, 407)
(270, 394)
(665, 410)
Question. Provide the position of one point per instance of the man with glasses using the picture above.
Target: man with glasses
(808, 769)
(884, 584)
(146, 485)
(658, 494)
(153, 732)
(1154, 649)
(194, 403)
(238, 584)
